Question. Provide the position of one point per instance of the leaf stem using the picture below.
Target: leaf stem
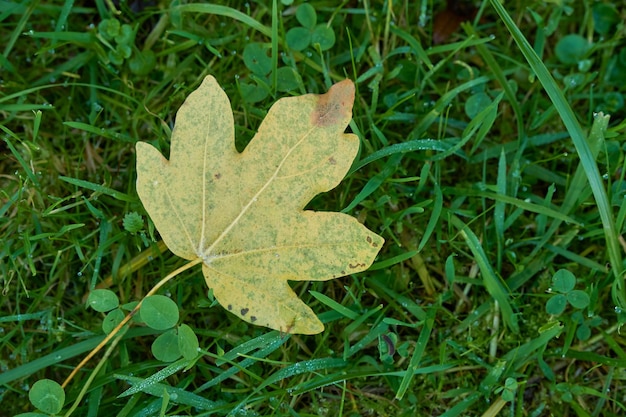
(126, 319)
(87, 384)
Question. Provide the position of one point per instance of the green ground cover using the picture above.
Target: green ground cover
(492, 162)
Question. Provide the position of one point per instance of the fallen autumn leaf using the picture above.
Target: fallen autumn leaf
(243, 213)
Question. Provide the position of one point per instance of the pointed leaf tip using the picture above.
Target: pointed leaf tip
(334, 107)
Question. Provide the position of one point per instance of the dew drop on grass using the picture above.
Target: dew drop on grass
(79, 274)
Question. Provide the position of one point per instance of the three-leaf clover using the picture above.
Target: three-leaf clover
(563, 283)
(310, 33)
(256, 59)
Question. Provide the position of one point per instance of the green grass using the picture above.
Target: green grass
(485, 164)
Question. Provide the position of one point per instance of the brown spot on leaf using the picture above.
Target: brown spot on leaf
(332, 161)
(244, 311)
(230, 307)
(335, 106)
(369, 239)
(217, 176)
(356, 265)
(253, 318)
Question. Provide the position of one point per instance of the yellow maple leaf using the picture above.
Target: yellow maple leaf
(242, 214)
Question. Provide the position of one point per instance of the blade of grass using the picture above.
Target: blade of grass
(404, 147)
(420, 348)
(25, 166)
(492, 282)
(579, 182)
(375, 182)
(118, 195)
(582, 148)
(499, 213)
(19, 28)
(226, 12)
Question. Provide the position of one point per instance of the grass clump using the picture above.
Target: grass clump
(491, 162)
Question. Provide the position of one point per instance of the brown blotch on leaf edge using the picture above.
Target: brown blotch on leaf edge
(244, 311)
(230, 307)
(335, 105)
(253, 318)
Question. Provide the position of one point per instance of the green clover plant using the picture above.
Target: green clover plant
(563, 283)
(157, 312)
(119, 39)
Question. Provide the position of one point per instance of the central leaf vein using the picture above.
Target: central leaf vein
(254, 198)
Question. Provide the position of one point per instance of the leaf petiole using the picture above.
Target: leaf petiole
(126, 319)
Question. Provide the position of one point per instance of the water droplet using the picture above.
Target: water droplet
(79, 274)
